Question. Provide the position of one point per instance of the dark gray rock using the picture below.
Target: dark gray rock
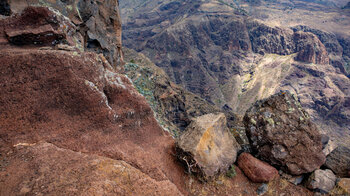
(5, 8)
(282, 134)
(262, 189)
(339, 161)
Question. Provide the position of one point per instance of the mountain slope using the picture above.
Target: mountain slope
(213, 49)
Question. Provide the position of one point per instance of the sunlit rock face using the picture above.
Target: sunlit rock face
(207, 148)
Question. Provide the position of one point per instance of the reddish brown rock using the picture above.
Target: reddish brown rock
(76, 102)
(47, 169)
(99, 22)
(256, 170)
(39, 26)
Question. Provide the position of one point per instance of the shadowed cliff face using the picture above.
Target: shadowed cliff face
(231, 60)
(173, 106)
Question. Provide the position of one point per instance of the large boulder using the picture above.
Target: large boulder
(207, 147)
(282, 134)
(322, 181)
(256, 170)
(339, 161)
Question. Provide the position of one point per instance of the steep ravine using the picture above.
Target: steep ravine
(79, 117)
(232, 60)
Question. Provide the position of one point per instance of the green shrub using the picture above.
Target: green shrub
(231, 172)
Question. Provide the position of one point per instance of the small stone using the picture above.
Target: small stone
(296, 180)
(331, 145)
(25, 190)
(66, 47)
(324, 140)
(256, 170)
(322, 181)
(262, 189)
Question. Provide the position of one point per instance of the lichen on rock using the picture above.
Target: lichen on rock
(282, 134)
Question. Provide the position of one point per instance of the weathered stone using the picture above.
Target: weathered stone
(330, 146)
(322, 181)
(83, 173)
(256, 170)
(207, 147)
(77, 102)
(296, 180)
(339, 161)
(282, 134)
(99, 23)
(39, 26)
(342, 187)
(103, 27)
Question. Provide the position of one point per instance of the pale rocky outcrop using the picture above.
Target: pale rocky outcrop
(321, 181)
(207, 147)
(330, 147)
